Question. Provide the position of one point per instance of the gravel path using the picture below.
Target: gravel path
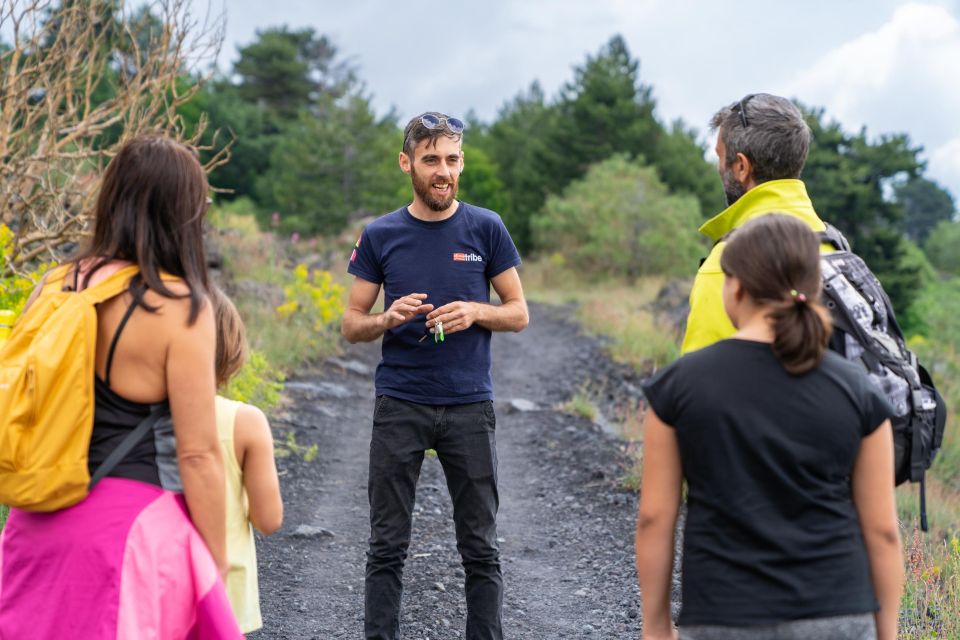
(566, 525)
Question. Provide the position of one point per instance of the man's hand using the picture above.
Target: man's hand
(456, 316)
(405, 309)
(510, 315)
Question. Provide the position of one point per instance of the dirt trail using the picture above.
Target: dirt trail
(566, 526)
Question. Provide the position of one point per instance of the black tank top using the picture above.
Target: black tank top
(114, 417)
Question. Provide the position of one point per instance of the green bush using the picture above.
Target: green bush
(314, 302)
(905, 273)
(258, 383)
(236, 216)
(621, 220)
(942, 247)
(291, 314)
(935, 314)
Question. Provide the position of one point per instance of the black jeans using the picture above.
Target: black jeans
(463, 437)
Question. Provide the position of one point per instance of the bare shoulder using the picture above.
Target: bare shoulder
(251, 416)
(177, 287)
(251, 426)
(176, 308)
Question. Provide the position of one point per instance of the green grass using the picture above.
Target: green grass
(621, 312)
(633, 473)
(931, 603)
(582, 405)
(290, 447)
(930, 607)
(283, 349)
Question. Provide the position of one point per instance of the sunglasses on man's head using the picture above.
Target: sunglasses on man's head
(741, 108)
(430, 121)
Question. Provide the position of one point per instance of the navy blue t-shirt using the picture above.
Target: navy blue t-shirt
(449, 260)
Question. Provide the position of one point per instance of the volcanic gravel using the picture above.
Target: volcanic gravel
(566, 524)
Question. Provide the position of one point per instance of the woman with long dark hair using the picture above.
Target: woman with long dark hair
(787, 452)
(126, 561)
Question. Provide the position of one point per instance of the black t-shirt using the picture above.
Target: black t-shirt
(772, 533)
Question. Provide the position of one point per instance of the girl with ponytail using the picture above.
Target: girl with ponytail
(773, 277)
(787, 452)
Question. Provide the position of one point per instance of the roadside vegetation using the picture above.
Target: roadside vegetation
(290, 301)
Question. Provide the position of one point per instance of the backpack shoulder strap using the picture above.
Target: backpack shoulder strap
(834, 238)
(111, 286)
(126, 445)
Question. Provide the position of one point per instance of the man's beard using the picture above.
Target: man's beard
(421, 187)
(732, 188)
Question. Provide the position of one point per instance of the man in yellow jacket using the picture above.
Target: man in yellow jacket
(762, 145)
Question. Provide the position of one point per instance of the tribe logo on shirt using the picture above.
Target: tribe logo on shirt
(467, 257)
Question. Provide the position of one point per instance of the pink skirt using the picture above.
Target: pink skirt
(126, 563)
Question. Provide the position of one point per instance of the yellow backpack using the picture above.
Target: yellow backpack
(47, 397)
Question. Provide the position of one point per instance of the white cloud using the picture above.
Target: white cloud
(944, 166)
(901, 77)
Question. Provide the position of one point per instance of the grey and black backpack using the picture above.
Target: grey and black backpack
(866, 331)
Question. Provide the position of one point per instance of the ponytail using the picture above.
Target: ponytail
(801, 333)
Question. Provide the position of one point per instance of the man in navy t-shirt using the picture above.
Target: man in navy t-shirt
(435, 260)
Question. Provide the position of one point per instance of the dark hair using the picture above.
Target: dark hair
(415, 132)
(776, 258)
(150, 211)
(775, 138)
(231, 336)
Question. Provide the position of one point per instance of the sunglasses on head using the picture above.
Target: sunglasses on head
(430, 121)
(741, 108)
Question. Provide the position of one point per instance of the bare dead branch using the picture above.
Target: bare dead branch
(79, 80)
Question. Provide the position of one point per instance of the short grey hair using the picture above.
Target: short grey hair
(776, 137)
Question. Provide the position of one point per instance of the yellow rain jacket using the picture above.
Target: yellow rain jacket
(708, 321)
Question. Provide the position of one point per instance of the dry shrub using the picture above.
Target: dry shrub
(79, 78)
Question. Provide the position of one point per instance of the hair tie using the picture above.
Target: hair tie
(797, 296)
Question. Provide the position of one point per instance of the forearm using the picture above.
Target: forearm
(203, 489)
(654, 548)
(886, 568)
(362, 327)
(875, 501)
(509, 316)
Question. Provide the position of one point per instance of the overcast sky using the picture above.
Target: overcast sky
(889, 65)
